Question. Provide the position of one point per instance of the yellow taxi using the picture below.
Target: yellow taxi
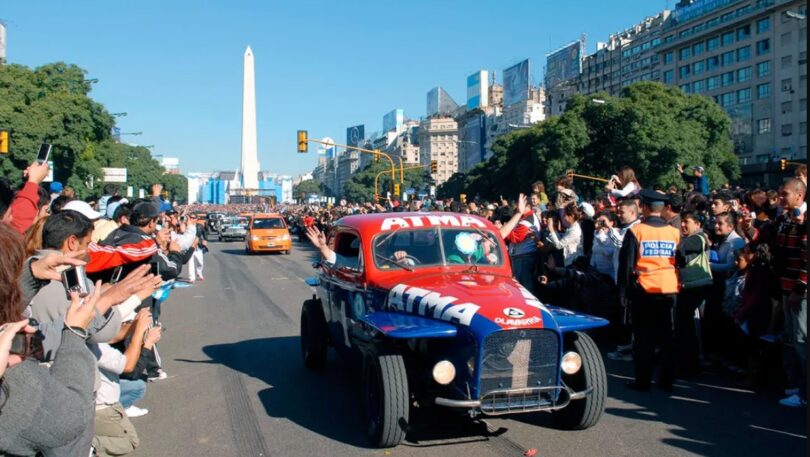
(266, 233)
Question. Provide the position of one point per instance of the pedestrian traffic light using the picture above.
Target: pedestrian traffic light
(396, 189)
(783, 164)
(434, 166)
(3, 141)
(303, 141)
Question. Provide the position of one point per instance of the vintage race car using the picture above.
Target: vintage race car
(427, 305)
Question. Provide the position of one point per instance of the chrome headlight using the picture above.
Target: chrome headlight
(444, 372)
(571, 363)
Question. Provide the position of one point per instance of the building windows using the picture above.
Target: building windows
(744, 95)
(697, 49)
(712, 63)
(668, 77)
(743, 74)
(787, 107)
(728, 78)
(802, 104)
(785, 39)
(764, 125)
(743, 32)
(743, 53)
(763, 69)
(727, 38)
(787, 85)
(668, 57)
(685, 53)
(764, 90)
(698, 67)
(713, 43)
(786, 61)
(698, 86)
(713, 82)
(656, 42)
(787, 129)
(802, 128)
(763, 47)
(683, 72)
(685, 88)
(763, 25)
(727, 99)
(727, 58)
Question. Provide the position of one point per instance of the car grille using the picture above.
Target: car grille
(519, 359)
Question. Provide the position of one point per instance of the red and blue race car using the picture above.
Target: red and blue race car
(427, 304)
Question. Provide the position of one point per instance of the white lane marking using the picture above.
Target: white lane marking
(693, 400)
(794, 435)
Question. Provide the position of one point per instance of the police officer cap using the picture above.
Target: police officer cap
(652, 197)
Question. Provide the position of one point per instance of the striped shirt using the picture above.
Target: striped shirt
(791, 247)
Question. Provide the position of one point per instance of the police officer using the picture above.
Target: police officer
(647, 278)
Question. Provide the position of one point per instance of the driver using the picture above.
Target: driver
(472, 248)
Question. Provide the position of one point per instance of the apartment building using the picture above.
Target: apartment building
(438, 140)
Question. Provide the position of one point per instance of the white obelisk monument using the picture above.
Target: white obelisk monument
(250, 155)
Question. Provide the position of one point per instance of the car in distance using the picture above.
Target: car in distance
(268, 233)
(233, 228)
(427, 306)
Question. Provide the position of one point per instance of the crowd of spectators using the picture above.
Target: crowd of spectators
(81, 283)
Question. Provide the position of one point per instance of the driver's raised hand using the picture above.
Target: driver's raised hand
(316, 237)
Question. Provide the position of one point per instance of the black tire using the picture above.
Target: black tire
(584, 413)
(386, 399)
(313, 335)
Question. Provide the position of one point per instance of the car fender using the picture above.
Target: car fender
(569, 321)
(402, 326)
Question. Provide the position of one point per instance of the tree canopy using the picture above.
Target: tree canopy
(306, 187)
(360, 188)
(650, 127)
(51, 104)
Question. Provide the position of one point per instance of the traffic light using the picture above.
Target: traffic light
(376, 158)
(463, 198)
(303, 141)
(783, 164)
(3, 141)
(396, 190)
(434, 166)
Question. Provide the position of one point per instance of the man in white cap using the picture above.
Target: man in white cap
(101, 227)
(588, 226)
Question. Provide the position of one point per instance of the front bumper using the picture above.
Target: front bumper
(263, 245)
(517, 401)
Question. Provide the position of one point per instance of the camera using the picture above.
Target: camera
(75, 280)
(183, 219)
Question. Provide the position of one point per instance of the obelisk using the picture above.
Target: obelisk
(250, 155)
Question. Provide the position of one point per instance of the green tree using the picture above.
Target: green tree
(650, 127)
(360, 188)
(308, 186)
(176, 186)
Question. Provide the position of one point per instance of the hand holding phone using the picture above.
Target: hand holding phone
(44, 153)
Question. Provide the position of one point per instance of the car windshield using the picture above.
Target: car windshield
(417, 248)
(237, 221)
(268, 223)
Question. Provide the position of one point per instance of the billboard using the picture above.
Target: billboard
(516, 83)
(478, 90)
(355, 135)
(2, 42)
(564, 64)
(393, 120)
(114, 174)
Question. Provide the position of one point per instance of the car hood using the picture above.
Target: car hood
(483, 302)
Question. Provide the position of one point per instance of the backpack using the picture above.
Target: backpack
(697, 272)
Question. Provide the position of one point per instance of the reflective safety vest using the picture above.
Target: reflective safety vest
(655, 264)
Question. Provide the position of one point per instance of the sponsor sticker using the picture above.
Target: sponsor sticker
(514, 313)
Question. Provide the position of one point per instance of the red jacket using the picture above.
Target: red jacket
(24, 207)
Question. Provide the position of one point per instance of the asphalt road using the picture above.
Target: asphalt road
(237, 387)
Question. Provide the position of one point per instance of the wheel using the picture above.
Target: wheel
(386, 399)
(287, 252)
(313, 335)
(584, 413)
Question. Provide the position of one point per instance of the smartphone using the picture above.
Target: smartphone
(116, 275)
(75, 280)
(27, 345)
(44, 153)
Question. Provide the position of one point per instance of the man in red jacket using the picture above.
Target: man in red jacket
(23, 209)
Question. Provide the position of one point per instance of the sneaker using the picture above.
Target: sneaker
(793, 401)
(622, 356)
(134, 411)
(792, 391)
(160, 375)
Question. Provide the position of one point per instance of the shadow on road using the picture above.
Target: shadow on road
(328, 402)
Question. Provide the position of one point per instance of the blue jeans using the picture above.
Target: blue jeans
(132, 391)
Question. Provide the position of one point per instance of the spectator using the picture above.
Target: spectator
(791, 250)
(101, 227)
(603, 247)
(622, 185)
(586, 223)
(522, 232)
(110, 190)
(539, 189)
(697, 179)
(801, 174)
(68, 192)
(570, 242)
(33, 238)
(25, 206)
(55, 188)
(58, 203)
(565, 192)
(60, 393)
(672, 210)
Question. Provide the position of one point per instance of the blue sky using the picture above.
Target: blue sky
(176, 66)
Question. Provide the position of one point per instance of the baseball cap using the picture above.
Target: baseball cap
(110, 212)
(698, 168)
(651, 196)
(587, 208)
(147, 209)
(56, 187)
(83, 208)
